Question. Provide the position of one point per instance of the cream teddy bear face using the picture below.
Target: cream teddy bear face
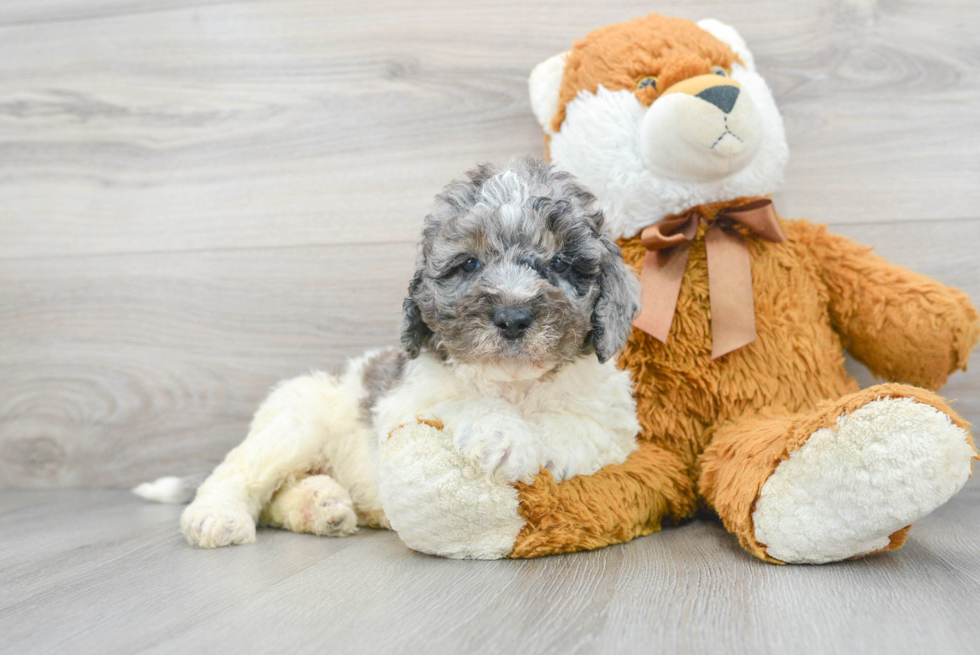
(658, 115)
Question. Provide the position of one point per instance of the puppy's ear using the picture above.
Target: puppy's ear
(619, 301)
(455, 200)
(415, 333)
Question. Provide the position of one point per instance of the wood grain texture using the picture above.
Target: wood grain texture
(118, 367)
(200, 197)
(125, 582)
(130, 126)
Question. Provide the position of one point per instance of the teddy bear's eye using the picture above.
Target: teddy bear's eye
(648, 82)
(718, 70)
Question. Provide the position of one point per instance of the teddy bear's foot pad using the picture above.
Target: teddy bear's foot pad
(848, 488)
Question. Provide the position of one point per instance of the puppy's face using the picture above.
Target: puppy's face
(515, 274)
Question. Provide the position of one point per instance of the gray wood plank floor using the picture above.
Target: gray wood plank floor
(101, 572)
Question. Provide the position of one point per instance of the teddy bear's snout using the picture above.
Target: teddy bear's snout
(702, 128)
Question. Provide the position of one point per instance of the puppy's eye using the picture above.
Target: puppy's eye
(470, 265)
(558, 265)
(648, 82)
(718, 70)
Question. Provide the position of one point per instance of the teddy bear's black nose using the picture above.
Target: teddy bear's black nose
(723, 97)
(512, 321)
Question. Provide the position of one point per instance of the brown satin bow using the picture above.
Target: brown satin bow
(668, 245)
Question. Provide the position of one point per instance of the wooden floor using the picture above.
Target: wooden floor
(101, 572)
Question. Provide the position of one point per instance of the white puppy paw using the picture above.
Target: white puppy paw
(212, 523)
(315, 505)
(501, 445)
(333, 517)
(564, 469)
(882, 467)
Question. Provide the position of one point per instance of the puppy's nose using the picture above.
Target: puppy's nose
(512, 321)
(722, 97)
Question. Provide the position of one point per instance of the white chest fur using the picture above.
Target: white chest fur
(449, 492)
(573, 421)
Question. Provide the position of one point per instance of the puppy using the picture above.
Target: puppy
(518, 302)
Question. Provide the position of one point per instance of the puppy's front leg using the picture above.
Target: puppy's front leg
(493, 435)
(573, 444)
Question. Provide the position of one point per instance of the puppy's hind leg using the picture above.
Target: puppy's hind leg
(289, 436)
(316, 504)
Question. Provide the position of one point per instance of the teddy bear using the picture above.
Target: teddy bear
(737, 358)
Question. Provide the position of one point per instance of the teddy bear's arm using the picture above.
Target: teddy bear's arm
(613, 505)
(902, 325)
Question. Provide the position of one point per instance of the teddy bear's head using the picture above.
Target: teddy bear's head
(657, 115)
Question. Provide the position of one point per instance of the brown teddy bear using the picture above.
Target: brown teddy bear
(738, 355)
(745, 404)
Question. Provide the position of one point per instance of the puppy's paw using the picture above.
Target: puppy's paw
(315, 505)
(333, 517)
(514, 461)
(501, 445)
(563, 469)
(210, 523)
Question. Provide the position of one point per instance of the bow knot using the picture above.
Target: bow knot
(668, 244)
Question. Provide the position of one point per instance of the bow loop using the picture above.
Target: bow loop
(670, 232)
(759, 216)
(668, 244)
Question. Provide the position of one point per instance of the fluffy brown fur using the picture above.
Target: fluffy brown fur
(616, 504)
(619, 56)
(714, 430)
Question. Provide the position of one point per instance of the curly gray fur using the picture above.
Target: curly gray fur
(516, 222)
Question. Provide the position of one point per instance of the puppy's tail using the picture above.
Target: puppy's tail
(170, 489)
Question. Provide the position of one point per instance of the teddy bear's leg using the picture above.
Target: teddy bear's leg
(616, 504)
(844, 480)
(315, 504)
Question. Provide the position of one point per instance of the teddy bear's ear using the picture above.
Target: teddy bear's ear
(544, 85)
(730, 36)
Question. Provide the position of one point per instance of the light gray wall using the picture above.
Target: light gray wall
(198, 198)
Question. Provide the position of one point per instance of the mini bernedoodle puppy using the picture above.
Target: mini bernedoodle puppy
(518, 302)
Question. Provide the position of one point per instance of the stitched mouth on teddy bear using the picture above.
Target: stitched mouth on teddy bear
(728, 133)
